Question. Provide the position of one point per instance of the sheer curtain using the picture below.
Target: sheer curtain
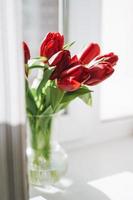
(13, 172)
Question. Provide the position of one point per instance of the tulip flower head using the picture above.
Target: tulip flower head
(70, 73)
(73, 72)
(26, 52)
(99, 73)
(26, 57)
(51, 44)
(110, 58)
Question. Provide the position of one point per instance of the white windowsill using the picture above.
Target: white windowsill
(91, 163)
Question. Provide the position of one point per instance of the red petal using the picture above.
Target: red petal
(68, 85)
(79, 73)
(56, 58)
(44, 42)
(26, 52)
(51, 44)
(62, 65)
(99, 73)
(74, 59)
(90, 53)
(110, 57)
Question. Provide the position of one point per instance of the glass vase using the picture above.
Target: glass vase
(47, 160)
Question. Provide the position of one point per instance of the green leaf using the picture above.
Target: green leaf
(47, 96)
(47, 111)
(68, 45)
(62, 106)
(86, 98)
(30, 102)
(43, 82)
(33, 91)
(69, 96)
(56, 96)
(36, 67)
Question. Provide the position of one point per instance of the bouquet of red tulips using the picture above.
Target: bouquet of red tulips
(63, 78)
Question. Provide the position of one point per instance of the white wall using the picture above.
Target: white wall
(86, 22)
(117, 34)
(83, 26)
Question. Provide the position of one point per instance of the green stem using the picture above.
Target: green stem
(41, 136)
(36, 66)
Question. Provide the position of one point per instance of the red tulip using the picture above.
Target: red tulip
(56, 58)
(62, 61)
(71, 79)
(68, 84)
(89, 53)
(99, 72)
(78, 73)
(111, 58)
(26, 52)
(72, 72)
(74, 61)
(61, 64)
(51, 44)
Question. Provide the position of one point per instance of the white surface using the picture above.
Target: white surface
(116, 32)
(102, 166)
(38, 198)
(116, 187)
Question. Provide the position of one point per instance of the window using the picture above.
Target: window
(39, 18)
